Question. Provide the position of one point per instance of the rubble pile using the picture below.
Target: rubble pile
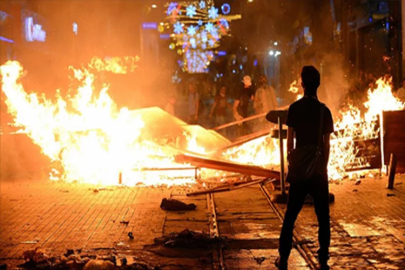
(38, 258)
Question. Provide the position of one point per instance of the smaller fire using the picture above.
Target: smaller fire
(295, 89)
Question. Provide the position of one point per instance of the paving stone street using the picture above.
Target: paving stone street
(368, 225)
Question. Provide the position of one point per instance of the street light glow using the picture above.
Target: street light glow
(271, 52)
(154, 6)
(275, 43)
(250, 1)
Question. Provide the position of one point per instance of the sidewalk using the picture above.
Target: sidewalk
(368, 225)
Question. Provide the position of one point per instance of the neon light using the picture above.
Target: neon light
(226, 8)
(178, 28)
(6, 40)
(172, 7)
(191, 11)
(221, 53)
(213, 13)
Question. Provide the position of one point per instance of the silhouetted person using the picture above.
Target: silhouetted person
(303, 122)
(193, 104)
(219, 109)
(241, 105)
(169, 107)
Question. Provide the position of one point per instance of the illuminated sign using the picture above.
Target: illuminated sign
(33, 31)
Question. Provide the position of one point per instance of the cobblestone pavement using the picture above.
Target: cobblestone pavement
(368, 225)
(59, 216)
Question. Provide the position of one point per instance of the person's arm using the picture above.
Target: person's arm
(326, 141)
(290, 139)
(229, 106)
(213, 107)
(235, 106)
(257, 101)
(197, 106)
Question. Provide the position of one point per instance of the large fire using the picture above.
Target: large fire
(89, 139)
(350, 125)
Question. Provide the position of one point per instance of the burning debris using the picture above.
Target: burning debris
(91, 140)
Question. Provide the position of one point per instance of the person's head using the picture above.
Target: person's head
(310, 80)
(263, 80)
(222, 91)
(191, 88)
(247, 81)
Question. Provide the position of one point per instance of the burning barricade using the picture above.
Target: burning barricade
(90, 140)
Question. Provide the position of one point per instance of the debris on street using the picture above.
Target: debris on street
(189, 239)
(176, 205)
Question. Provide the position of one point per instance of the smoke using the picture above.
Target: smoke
(334, 82)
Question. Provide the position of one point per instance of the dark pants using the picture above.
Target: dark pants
(319, 191)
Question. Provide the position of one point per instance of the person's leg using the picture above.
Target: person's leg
(220, 121)
(296, 198)
(319, 191)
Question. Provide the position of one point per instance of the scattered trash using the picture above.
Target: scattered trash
(30, 242)
(259, 260)
(399, 183)
(358, 182)
(64, 191)
(95, 191)
(355, 190)
(176, 205)
(131, 235)
(187, 238)
(72, 252)
(36, 255)
(124, 260)
(390, 195)
(99, 265)
(126, 222)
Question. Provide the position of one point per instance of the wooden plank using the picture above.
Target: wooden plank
(216, 164)
(394, 137)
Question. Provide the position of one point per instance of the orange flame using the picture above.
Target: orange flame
(350, 126)
(91, 139)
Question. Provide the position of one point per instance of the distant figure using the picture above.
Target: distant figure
(401, 92)
(265, 100)
(241, 105)
(303, 121)
(193, 104)
(219, 108)
(170, 106)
